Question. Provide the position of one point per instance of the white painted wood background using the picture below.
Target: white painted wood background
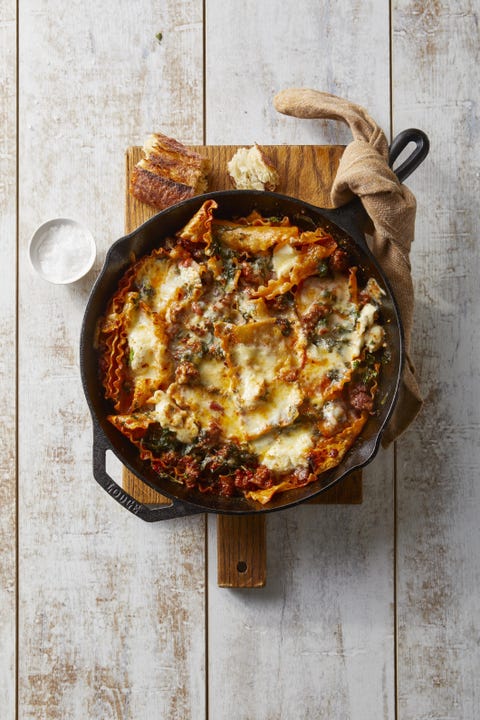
(370, 611)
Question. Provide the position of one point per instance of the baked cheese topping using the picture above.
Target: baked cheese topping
(242, 356)
(286, 449)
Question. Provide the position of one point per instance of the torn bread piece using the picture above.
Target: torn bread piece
(168, 173)
(252, 169)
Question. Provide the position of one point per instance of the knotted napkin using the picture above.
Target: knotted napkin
(364, 172)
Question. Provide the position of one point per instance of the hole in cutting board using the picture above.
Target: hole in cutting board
(242, 566)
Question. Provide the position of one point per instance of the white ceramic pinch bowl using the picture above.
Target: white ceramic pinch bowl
(62, 251)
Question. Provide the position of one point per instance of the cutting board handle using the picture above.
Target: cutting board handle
(241, 551)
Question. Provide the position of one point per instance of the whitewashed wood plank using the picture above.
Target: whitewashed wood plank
(111, 609)
(318, 640)
(8, 218)
(436, 55)
(270, 46)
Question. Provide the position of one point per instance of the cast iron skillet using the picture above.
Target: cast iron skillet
(344, 223)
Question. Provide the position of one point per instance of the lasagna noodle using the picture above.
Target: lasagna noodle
(199, 228)
(330, 451)
(292, 265)
(134, 428)
(116, 354)
(319, 237)
(254, 218)
(327, 454)
(323, 375)
(252, 238)
(264, 495)
(112, 343)
(114, 377)
(112, 334)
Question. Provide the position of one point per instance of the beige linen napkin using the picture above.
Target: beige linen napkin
(364, 171)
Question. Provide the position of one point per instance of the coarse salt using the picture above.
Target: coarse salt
(62, 250)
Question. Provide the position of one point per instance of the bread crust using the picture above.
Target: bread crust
(157, 191)
(168, 173)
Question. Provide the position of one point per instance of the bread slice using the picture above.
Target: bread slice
(168, 173)
(252, 169)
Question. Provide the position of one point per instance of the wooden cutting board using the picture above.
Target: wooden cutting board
(306, 172)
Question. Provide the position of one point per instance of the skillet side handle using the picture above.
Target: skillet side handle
(144, 512)
(416, 157)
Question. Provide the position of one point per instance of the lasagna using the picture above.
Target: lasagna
(241, 356)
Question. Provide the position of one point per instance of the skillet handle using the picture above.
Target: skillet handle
(145, 512)
(416, 157)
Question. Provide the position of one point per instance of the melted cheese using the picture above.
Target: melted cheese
(374, 291)
(354, 341)
(169, 282)
(280, 408)
(147, 352)
(334, 292)
(251, 309)
(334, 414)
(284, 259)
(214, 374)
(150, 365)
(286, 449)
(260, 357)
(168, 414)
(374, 338)
(209, 407)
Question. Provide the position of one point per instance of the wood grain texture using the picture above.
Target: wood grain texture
(111, 609)
(241, 551)
(438, 553)
(305, 643)
(8, 219)
(113, 613)
(339, 47)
